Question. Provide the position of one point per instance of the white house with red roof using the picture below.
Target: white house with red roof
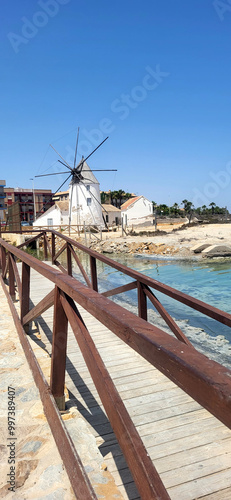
(137, 210)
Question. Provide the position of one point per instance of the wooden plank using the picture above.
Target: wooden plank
(218, 495)
(191, 490)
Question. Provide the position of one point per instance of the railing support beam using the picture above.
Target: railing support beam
(94, 280)
(142, 302)
(25, 302)
(3, 261)
(45, 247)
(11, 280)
(52, 247)
(69, 263)
(59, 349)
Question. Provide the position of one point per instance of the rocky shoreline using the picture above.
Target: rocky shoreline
(195, 243)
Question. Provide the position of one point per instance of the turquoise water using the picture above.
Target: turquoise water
(208, 281)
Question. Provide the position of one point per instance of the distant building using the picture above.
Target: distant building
(30, 201)
(137, 210)
(2, 201)
(61, 196)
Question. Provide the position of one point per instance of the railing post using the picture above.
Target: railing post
(94, 280)
(52, 247)
(45, 247)
(142, 302)
(3, 262)
(25, 302)
(11, 280)
(69, 264)
(59, 349)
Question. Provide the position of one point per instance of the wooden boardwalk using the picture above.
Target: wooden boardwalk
(190, 448)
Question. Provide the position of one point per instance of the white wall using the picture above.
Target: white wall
(82, 213)
(137, 212)
(53, 214)
(112, 216)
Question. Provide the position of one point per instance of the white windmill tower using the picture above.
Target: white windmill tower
(84, 198)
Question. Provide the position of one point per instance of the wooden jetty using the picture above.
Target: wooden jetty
(178, 405)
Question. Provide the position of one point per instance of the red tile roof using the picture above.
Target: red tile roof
(129, 202)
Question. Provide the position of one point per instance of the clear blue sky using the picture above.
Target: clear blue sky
(156, 74)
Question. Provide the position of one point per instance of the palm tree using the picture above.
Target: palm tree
(212, 204)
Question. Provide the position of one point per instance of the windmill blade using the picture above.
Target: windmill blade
(55, 173)
(101, 170)
(66, 164)
(76, 147)
(85, 159)
(70, 206)
(50, 199)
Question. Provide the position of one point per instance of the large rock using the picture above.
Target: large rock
(217, 251)
(199, 247)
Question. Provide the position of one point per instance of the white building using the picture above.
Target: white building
(56, 215)
(138, 210)
(112, 215)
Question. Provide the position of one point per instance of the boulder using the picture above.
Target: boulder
(217, 251)
(199, 247)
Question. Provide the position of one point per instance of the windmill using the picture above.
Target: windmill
(84, 189)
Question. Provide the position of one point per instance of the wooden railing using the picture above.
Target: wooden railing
(206, 381)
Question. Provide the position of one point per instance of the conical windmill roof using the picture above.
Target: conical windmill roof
(88, 176)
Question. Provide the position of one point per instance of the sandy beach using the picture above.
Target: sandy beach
(175, 242)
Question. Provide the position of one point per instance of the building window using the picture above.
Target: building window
(107, 220)
(88, 202)
(88, 187)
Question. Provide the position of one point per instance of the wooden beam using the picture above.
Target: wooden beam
(40, 308)
(25, 293)
(166, 316)
(60, 251)
(52, 247)
(11, 278)
(16, 275)
(69, 263)
(27, 242)
(94, 281)
(120, 289)
(59, 349)
(142, 302)
(80, 266)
